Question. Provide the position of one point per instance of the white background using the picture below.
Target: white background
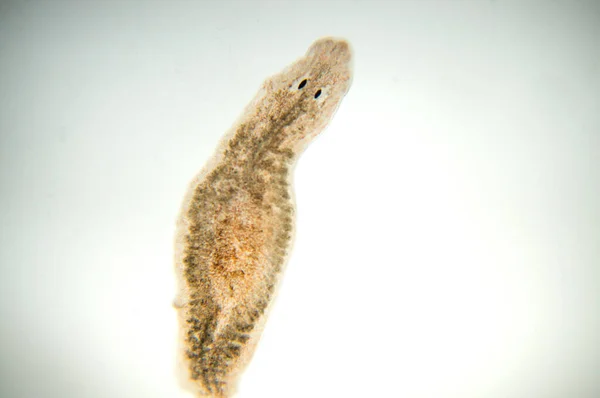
(448, 232)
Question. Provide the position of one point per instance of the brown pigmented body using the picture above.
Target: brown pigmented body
(237, 221)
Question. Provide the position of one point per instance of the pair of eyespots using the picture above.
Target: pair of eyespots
(303, 83)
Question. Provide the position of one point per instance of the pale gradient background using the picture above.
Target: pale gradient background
(448, 236)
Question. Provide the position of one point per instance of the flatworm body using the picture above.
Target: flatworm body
(236, 225)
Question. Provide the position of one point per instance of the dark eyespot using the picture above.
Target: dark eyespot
(302, 84)
(318, 93)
